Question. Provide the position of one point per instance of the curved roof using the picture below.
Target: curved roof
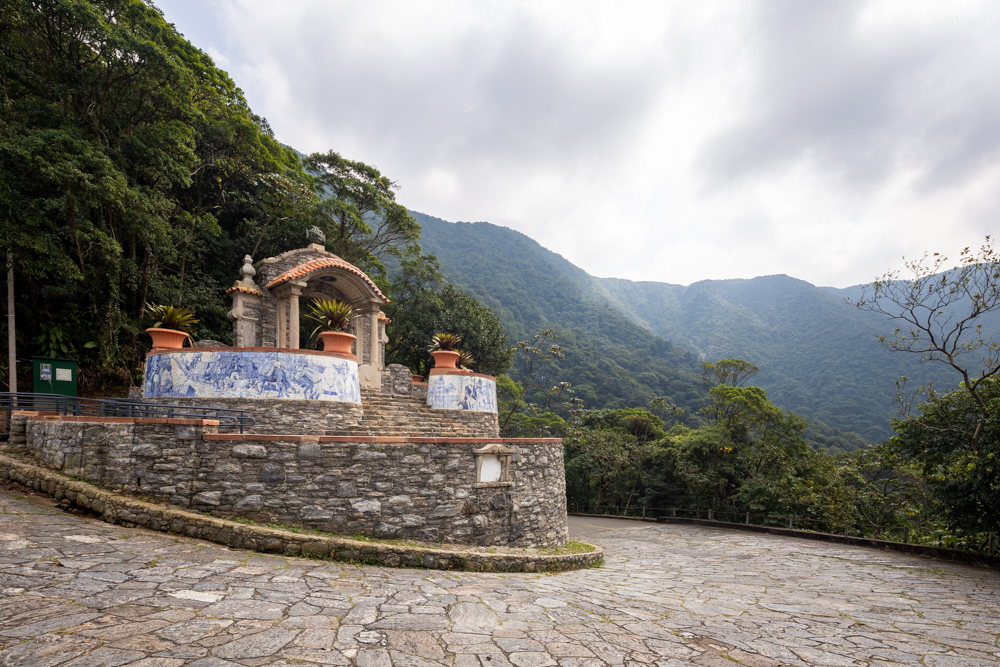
(311, 266)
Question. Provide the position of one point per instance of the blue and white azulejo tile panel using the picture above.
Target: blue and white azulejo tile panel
(238, 374)
(462, 392)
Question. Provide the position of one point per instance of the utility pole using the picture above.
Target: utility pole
(11, 351)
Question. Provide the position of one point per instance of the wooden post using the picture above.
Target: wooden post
(747, 522)
(11, 339)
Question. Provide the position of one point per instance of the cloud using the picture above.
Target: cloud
(648, 140)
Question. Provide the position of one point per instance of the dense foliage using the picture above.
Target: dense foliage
(132, 171)
(819, 357)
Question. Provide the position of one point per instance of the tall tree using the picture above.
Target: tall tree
(937, 314)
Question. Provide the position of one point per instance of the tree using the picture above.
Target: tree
(422, 305)
(123, 152)
(937, 312)
(367, 224)
(964, 474)
(728, 372)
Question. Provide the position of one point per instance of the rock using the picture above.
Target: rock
(366, 506)
(272, 473)
(243, 451)
(207, 498)
(249, 504)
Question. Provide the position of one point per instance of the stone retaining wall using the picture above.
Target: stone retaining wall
(129, 512)
(285, 415)
(419, 488)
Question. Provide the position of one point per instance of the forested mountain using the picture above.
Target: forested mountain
(818, 356)
(610, 360)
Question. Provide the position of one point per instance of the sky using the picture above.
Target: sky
(664, 141)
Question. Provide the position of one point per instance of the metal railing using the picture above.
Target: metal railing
(978, 542)
(75, 406)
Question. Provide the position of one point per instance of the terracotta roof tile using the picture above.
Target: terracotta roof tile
(316, 264)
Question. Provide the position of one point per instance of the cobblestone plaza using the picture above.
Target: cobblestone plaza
(79, 592)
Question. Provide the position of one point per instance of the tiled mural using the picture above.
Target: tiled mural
(236, 374)
(462, 392)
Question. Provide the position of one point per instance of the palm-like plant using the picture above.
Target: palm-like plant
(465, 359)
(332, 315)
(445, 342)
(172, 317)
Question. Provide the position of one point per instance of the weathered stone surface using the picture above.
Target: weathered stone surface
(670, 595)
(207, 498)
(242, 451)
(399, 490)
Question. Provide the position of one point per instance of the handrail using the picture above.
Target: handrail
(987, 541)
(120, 407)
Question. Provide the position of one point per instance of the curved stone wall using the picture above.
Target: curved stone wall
(455, 390)
(251, 373)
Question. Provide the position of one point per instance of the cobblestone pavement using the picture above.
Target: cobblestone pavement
(82, 593)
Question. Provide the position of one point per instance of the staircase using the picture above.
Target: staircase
(397, 415)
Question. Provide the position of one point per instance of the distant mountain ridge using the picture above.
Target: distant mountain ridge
(818, 356)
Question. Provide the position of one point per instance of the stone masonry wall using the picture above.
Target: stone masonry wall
(285, 415)
(417, 488)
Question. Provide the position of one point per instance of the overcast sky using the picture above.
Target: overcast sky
(668, 141)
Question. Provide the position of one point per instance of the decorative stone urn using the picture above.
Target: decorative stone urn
(167, 339)
(337, 341)
(445, 358)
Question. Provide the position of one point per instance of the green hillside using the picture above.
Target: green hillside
(819, 357)
(611, 361)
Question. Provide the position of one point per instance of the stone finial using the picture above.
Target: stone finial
(248, 271)
(316, 235)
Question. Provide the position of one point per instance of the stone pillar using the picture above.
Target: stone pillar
(359, 344)
(293, 321)
(282, 337)
(373, 343)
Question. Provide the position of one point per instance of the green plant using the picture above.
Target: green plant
(172, 317)
(445, 342)
(332, 315)
(465, 359)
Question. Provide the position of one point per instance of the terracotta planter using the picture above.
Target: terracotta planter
(445, 358)
(417, 378)
(167, 339)
(337, 341)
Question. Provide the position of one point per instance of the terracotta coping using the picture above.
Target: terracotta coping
(322, 263)
(285, 350)
(251, 437)
(240, 287)
(455, 371)
(126, 420)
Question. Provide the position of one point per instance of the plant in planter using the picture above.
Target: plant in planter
(333, 317)
(465, 360)
(444, 349)
(171, 326)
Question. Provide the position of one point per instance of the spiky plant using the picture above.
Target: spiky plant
(332, 315)
(465, 359)
(445, 342)
(171, 317)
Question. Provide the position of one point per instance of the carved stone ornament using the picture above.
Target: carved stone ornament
(493, 465)
(248, 272)
(316, 235)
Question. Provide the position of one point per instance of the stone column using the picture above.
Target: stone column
(282, 338)
(373, 343)
(359, 344)
(293, 321)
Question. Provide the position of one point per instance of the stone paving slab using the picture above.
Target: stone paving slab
(76, 591)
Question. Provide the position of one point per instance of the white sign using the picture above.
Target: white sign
(64, 375)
